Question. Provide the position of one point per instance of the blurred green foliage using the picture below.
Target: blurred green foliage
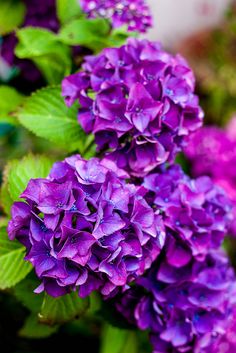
(211, 54)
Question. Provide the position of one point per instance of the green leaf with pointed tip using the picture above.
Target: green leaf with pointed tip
(41, 46)
(68, 10)
(10, 100)
(34, 329)
(92, 34)
(62, 309)
(115, 340)
(46, 115)
(20, 172)
(12, 13)
(13, 267)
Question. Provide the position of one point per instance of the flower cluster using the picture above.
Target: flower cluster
(138, 100)
(212, 151)
(88, 227)
(185, 307)
(85, 227)
(135, 14)
(38, 14)
(185, 295)
(196, 212)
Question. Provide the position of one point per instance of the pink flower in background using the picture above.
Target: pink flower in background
(212, 151)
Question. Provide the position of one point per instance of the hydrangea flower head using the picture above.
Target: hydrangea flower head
(138, 101)
(135, 14)
(85, 227)
(185, 296)
(184, 308)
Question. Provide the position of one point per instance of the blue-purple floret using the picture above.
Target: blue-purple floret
(84, 228)
(134, 14)
(138, 101)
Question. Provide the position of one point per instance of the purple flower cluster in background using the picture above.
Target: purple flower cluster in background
(135, 14)
(185, 307)
(85, 227)
(139, 102)
(38, 14)
(212, 151)
(41, 14)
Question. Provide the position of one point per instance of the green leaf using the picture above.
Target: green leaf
(115, 340)
(5, 198)
(34, 42)
(17, 174)
(47, 116)
(92, 34)
(62, 309)
(41, 46)
(68, 10)
(13, 267)
(119, 36)
(12, 13)
(10, 100)
(181, 159)
(53, 70)
(3, 222)
(20, 172)
(24, 292)
(34, 329)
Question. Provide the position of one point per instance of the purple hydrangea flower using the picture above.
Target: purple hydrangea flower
(184, 299)
(38, 14)
(85, 227)
(185, 307)
(135, 14)
(196, 212)
(139, 102)
(212, 151)
(225, 343)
